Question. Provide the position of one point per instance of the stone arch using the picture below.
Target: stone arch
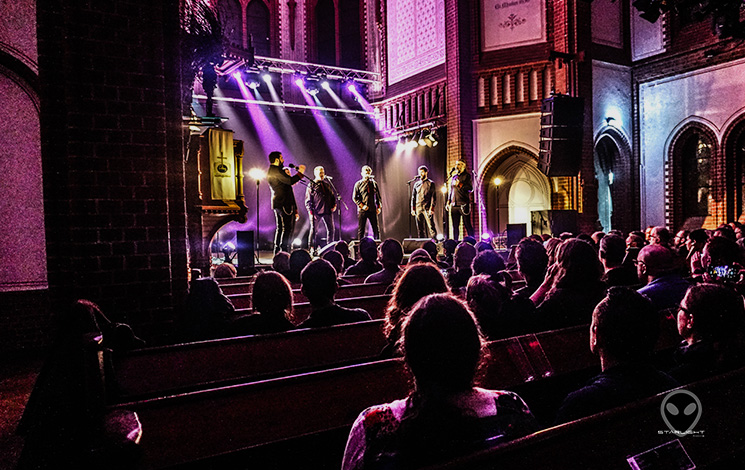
(524, 188)
(678, 214)
(616, 178)
(733, 149)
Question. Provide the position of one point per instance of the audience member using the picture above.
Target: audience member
(225, 271)
(281, 263)
(430, 247)
(391, 257)
(634, 244)
(499, 314)
(720, 255)
(448, 251)
(207, 313)
(483, 246)
(695, 246)
(571, 289)
(660, 236)
(318, 284)
(461, 271)
(271, 299)
(657, 272)
(611, 253)
(337, 261)
(532, 261)
(470, 240)
(445, 415)
(416, 282)
(552, 246)
(597, 236)
(419, 255)
(368, 262)
(343, 247)
(679, 243)
(623, 334)
(299, 259)
(711, 320)
(725, 231)
(487, 262)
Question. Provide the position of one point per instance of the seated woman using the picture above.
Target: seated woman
(711, 320)
(416, 282)
(206, 312)
(271, 299)
(445, 414)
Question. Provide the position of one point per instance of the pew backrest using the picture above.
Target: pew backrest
(176, 368)
(243, 300)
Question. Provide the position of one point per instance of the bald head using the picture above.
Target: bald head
(655, 261)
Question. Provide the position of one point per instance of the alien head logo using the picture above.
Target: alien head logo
(680, 410)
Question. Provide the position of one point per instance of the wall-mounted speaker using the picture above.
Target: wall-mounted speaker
(560, 144)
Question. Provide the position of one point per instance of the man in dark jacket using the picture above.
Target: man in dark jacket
(459, 199)
(318, 283)
(320, 200)
(283, 199)
(366, 195)
(423, 201)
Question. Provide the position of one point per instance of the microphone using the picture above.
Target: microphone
(329, 178)
(291, 165)
(413, 179)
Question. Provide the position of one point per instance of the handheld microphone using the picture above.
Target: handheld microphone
(291, 165)
(328, 177)
(414, 179)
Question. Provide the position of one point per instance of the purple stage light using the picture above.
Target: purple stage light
(299, 82)
(351, 87)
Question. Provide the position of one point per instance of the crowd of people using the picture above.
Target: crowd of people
(445, 303)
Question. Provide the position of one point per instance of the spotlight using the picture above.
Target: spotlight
(237, 75)
(326, 85)
(311, 84)
(252, 79)
(352, 88)
(422, 140)
(486, 236)
(297, 242)
(401, 145)
(266, 76)
(416, 139)
(440, 237)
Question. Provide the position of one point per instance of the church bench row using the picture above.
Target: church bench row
(244, 284)
(166, 370)
(634, 436)
(374, 304)
(204, 424)
(243, 300)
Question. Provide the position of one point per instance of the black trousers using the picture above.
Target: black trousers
(362, 218)
(316, 221)
(461, 212)
(285, 228)
(425, 224)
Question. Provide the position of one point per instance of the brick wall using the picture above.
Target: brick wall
(111, 149)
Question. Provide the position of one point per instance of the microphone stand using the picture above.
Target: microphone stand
(338, 207)
(408, 184)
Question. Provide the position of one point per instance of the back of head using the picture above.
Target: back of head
(661, 236)
(464, 255)
(657, 259)
(449, 246)
(483, 246)
(299, 259)
(612, 249)
(532, 259)
(420, 255)
(486, 298)
(271, 293)
(718, 312)
(342, 247)
(579, 263)
(318, 281)
(430, 247)
(368, 250)
(442, 344)
(487, 262)
(597, 236)
(274, 156)
(725, 231)
(336, 259)
(417, 281)
(626, 325)
(635, 240)
(391, 253)
(699, 236)
(721, 251)
(281, 262)
(470, 240)
(225, 271)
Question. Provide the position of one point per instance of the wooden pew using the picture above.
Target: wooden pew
(243, 300)
(609, 439)
(227, 281)
(166, 370)
(204, 424)
(195, 426)
(245, 284)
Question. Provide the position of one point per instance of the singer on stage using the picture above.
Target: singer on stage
(320, 201)
(423, 199)
(283, 199)
(366, 195)
(459, 199)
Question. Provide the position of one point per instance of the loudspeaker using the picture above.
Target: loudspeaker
(562, 221)
(515, 233)
(560, 145)
(246, 251)
(411, 244)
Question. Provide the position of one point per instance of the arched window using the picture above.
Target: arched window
(326, 32)
(696, 177)
(350, 37)
(257, 26)
(229, 12)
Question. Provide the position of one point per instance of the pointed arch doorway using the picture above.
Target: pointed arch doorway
(522, 189)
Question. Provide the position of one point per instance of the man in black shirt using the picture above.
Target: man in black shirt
(283, 199)
(366, 195)
(320, 201)
(459, 199)
(423, 199)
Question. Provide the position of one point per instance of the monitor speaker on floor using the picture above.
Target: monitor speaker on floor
(246, 252)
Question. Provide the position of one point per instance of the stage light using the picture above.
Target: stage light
(401, 145)
(444, 189)
(299, 82)
(256, 174)
(297, 242)
(497, 181)
(326, 85)
(352, 88)
(228, 247)
(266, 76)
(440, 237)
(237, 75)
(486, 236)
(311, 84)
(422, 140)
(252, 79)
